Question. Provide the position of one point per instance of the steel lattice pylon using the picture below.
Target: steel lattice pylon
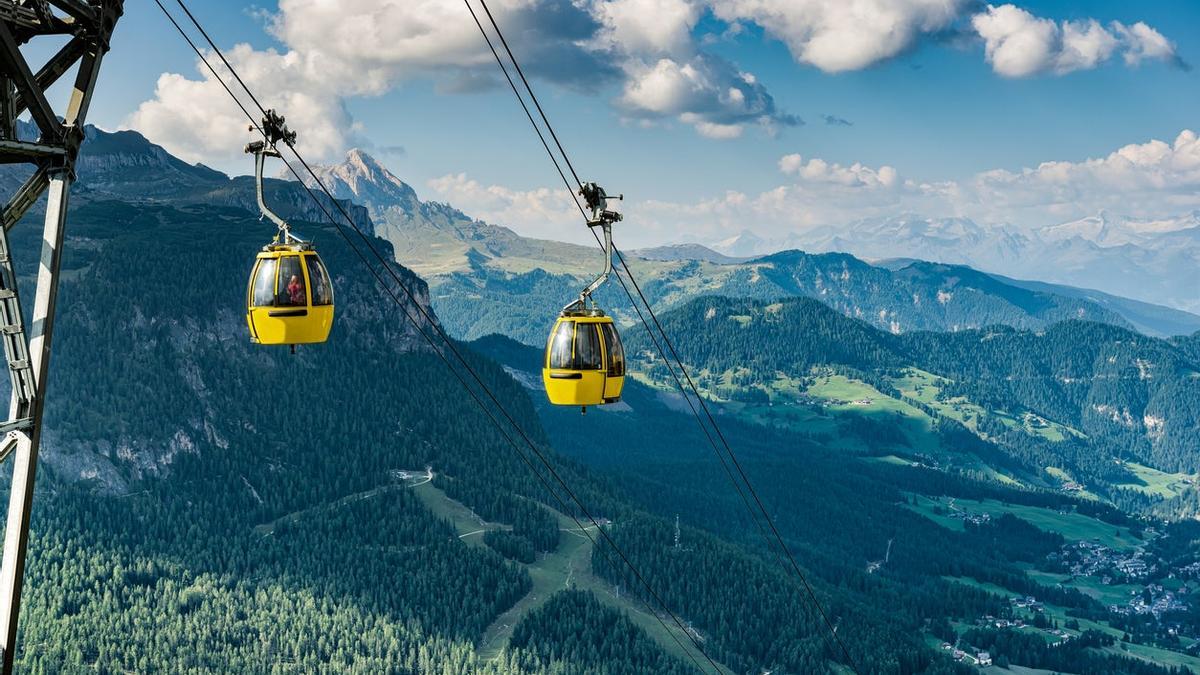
(90, 24)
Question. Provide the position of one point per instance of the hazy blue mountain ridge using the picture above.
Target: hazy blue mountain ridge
(1149, 261)
(487, 278)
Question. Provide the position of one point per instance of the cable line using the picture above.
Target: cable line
(832, 630)
(528, 114)
(537, 129)
(447, 341)
(528, 88)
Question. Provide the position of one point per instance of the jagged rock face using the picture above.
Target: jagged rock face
(125, 164)
(363, 179)
(391, 201)
(432, 237)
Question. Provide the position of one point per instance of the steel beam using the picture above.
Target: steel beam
(16, 152)
(19, 16)
(20, 503)
(80, 11)
(58, 64)
(23, 424)
(85, 85)
(9, 442)
(25, 198)
(91, 23)
(16, 68)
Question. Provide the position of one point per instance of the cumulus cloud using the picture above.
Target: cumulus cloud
(195, 119)
(842, 35)
(356, 48)
(649, 52)
(383, 41)
(856, 175)
(1144, 43)
(1154, 179)
(1019, 44)
(547, 213)
(668, 77)
(705, 91)
(838, 35)
(649, 26)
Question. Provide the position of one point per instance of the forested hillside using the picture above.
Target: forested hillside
(249, 504)
(861, 521)
(1077, 395)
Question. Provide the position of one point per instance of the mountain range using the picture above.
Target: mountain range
(486, 277)
(1147, 260)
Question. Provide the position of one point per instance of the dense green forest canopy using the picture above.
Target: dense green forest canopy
(1127, 396)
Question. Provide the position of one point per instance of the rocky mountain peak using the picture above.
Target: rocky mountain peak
(362, 178)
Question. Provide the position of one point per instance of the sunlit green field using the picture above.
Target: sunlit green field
(1072, 526)
(1158, 483)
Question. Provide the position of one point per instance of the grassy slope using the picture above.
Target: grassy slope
(567, 567)
(1159, 483)
(1072, 526)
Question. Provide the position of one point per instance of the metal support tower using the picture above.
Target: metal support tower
(89, 25)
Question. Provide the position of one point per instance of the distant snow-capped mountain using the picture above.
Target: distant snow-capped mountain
(1150, 260)
(1106, 229)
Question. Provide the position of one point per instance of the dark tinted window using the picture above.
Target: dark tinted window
(561, 354)
(322, 290)
(587, 347)
(290, 291)
(263, 292)
(616, 353)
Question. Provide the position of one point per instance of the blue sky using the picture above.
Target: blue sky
(937, 111)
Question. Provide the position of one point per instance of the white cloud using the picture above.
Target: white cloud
(720, 132)
(649, 26)
(195, 119)
(1143, 42)
(354, 48)
(1019, 44)
(855, 175)
(332, 51)
(1152, 179)
(667, 77)
(704, 91)
(1155, 179)
(841, 35)
(547, 213)
(381, 42)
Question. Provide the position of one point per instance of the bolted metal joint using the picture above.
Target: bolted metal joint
(275, 130)
(597, 202)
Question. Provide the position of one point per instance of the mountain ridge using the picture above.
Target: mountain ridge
(461, 256)
(1143, 260)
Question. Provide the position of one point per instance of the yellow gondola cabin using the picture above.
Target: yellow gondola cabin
(290, 298)
(585, 362)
